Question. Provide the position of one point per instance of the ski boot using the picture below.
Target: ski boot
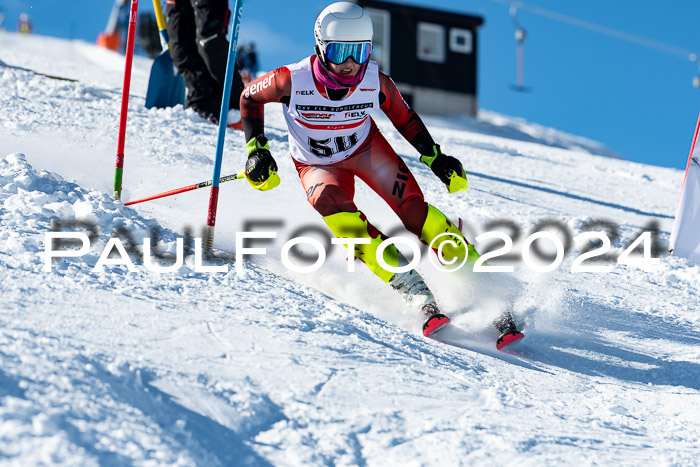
(507, 329)
(417, 295)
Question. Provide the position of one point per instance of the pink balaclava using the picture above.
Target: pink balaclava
(331, 80)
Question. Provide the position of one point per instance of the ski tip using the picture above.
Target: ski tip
(434, 324)
(508, 338)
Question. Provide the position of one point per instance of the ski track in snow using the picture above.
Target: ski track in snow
(271, 367)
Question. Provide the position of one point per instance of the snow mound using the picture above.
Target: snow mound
(36, 202)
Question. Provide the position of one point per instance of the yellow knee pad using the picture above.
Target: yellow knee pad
(351, 225)
(436, 223)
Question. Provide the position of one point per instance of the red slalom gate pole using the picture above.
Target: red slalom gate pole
(188, 188)
(119, 167)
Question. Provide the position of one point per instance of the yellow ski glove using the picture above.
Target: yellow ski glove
(448, 169)
(261, 168)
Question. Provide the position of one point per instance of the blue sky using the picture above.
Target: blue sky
(639, 101)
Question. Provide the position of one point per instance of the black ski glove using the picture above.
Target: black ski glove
(261, 168)
(447, 168)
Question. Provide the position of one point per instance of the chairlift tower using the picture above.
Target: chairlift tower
(520, 36)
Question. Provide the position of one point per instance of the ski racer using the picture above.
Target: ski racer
(329, 99)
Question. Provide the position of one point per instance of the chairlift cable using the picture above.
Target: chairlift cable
(639, 40)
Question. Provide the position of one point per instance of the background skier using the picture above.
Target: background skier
(199, 49)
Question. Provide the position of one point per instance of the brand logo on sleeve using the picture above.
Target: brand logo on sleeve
(258, 86)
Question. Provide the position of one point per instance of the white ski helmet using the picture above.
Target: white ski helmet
(342, 22)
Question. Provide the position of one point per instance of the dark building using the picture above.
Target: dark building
(430, 54)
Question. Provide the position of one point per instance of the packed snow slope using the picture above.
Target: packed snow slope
(270, 367)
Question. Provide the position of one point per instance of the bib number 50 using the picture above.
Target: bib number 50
(329, 146)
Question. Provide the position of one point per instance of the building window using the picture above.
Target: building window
(461, 40)
(431, 42)
(381, 45)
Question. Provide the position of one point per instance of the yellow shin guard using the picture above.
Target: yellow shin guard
(436, 223)
(351, 225)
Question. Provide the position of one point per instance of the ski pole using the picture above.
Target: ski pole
(230, 64)
(119, 168)
(162, 27)
(227, 178)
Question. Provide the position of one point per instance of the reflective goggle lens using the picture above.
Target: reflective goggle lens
(338, 52)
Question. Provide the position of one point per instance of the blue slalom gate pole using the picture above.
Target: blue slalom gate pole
(230, 65)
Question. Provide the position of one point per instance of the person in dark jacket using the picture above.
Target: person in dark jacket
(199, 50)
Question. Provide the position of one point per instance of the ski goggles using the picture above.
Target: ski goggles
(338, 52)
